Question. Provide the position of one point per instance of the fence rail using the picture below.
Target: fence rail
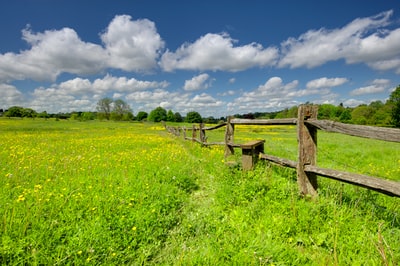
(306, 166)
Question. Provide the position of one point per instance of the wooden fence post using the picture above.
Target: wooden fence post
(194, 133)
(307, 153)
(229, 133)
(202, 133)
(184, 133)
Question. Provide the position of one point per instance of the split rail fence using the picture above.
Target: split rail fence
(306, 166)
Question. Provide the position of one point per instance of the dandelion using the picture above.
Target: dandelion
(79, 252)
(134, 228)
(21, 198)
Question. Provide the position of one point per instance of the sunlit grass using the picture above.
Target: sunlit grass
(106, 193)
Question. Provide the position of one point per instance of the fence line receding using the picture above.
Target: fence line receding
(306, 165)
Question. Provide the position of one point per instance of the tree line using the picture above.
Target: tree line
(376, 113)
(109, 109)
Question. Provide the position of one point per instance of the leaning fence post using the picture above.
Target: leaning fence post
(307, 153)
(229, 133)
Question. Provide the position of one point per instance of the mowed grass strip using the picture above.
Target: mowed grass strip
(107, 193)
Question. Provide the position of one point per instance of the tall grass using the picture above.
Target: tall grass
(107, 193)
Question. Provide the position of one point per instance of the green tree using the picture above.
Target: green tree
(171, 116)
(28, 112)
(121, 111)
(15, 111)
(394, 102)
(345, 116)
(361, 114)
(178, 117)
(158, 114)
(327, 111)
(193, 117)
(85, 116)
(104, 108)
(44, 114)
(142, 115)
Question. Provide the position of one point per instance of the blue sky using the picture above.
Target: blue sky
(215, 57)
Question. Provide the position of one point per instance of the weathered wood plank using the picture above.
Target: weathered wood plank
(384, 186)
(388, 187)
(252, 144)
(250, 153)
(215, 127)
(381, 133)
(307, 151)
(283, 121)
(233, 145)
(229, 138)
(278, 160)
(213, 143)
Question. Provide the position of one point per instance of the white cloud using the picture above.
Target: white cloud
(122, 84)
(52, 52)
(217, 52)
(227, 93)
(204, 103)
(197, 83)
(82, 94)
(273, 88)
(377, 86)
(9, 96)
(203, 98)
(132, 45)
(351, 43)
(273, 94)
(352, 102)
(389, 64)
(325, 83)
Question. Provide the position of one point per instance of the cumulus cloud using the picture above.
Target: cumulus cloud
(217, 52)
(179, 102)
(82, 94)
(352, 102)
(51, 53)
(130, 45)
(274, 94)
(197, 83)
(325, 83)
(227, 93)
(10, 95)
(354, 43)
(377, 86)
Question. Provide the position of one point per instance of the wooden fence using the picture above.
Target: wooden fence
(306, 166)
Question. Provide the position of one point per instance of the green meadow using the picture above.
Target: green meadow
(120, 193)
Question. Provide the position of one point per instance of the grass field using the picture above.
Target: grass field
(108, 193)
